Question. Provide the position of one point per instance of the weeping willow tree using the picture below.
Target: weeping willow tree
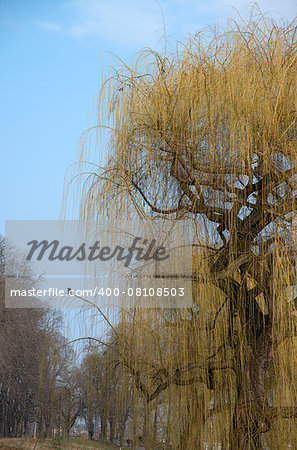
(208, 134)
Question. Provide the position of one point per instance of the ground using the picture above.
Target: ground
(70, 443)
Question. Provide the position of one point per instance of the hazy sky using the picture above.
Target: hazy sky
(52, 55)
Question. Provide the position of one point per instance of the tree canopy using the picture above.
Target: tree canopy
(209, 134)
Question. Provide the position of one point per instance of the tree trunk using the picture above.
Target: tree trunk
(146, 431)
(111, 430)
(103, 427)
(191, 436)
(122, 427)
(249, 421)
(155, 426)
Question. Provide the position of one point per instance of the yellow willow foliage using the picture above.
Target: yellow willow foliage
(208, 134)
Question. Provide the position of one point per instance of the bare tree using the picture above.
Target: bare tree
(36, 365)
(103, 385)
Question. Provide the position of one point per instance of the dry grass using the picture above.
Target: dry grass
(70, 443)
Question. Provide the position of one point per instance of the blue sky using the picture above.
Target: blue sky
(53, 53)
